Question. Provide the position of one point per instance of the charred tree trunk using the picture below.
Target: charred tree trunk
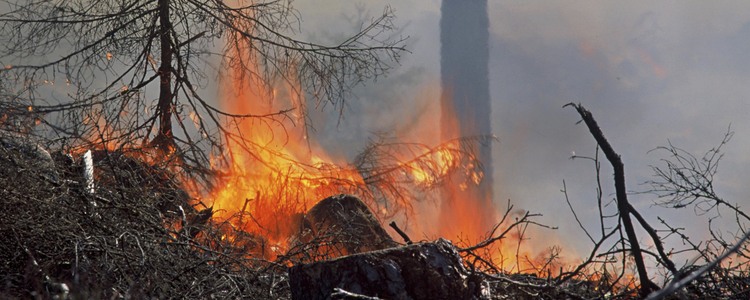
(465, 106)
(163, 140)
(340, 225)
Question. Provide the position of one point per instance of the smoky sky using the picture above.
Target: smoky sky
(650, 73)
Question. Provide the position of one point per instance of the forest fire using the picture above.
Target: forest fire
(271, 174)
(274, 174)
(124, 176)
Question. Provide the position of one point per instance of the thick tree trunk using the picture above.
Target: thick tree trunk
(350, 224)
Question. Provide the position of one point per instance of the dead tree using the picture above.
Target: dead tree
(110, 57)
(683, 180)
(623, 206)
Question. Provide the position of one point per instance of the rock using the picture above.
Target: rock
(342, 225)
(419, 271)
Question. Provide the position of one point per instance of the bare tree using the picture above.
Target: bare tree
(682, 180)
(112, 55)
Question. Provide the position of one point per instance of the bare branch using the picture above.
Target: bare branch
(678, 283)
(623, 206)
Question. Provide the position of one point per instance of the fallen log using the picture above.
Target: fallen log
(419, 271)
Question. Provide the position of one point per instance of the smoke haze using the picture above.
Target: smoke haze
(649, 73)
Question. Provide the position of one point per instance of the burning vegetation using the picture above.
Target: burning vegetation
(144, 228)
(111, 195)
(271, 174)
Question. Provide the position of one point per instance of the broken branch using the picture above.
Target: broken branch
(401, 233)
(647, 286)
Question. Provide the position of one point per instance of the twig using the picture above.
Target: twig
(530, 285)
(339, 293)
(657, 241)
(678, 284)
(401, 233)
(487, 242)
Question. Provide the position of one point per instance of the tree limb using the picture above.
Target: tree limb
(647, 286)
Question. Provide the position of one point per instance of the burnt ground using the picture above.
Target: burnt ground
(125, 240)
(137, 236)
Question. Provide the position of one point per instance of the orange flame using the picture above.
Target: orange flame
(274, 173)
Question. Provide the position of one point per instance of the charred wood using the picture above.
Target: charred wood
(342, 225)
(419, 271)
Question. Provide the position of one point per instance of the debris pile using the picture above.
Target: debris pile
(123, 240)
(419, 271)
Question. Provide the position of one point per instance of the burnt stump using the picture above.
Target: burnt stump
(420, 271)
(341, 225)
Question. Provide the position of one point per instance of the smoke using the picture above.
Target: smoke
(390, 104)
(648, 73)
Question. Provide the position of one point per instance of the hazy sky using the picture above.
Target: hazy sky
(650, 73)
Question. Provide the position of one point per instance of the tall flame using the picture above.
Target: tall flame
(275, 173)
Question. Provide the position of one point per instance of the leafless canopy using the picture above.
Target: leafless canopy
(141, 67)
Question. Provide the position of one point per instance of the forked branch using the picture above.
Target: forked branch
(624, 208)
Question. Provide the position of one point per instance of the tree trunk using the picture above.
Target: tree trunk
(344, 225)
(163, 140)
